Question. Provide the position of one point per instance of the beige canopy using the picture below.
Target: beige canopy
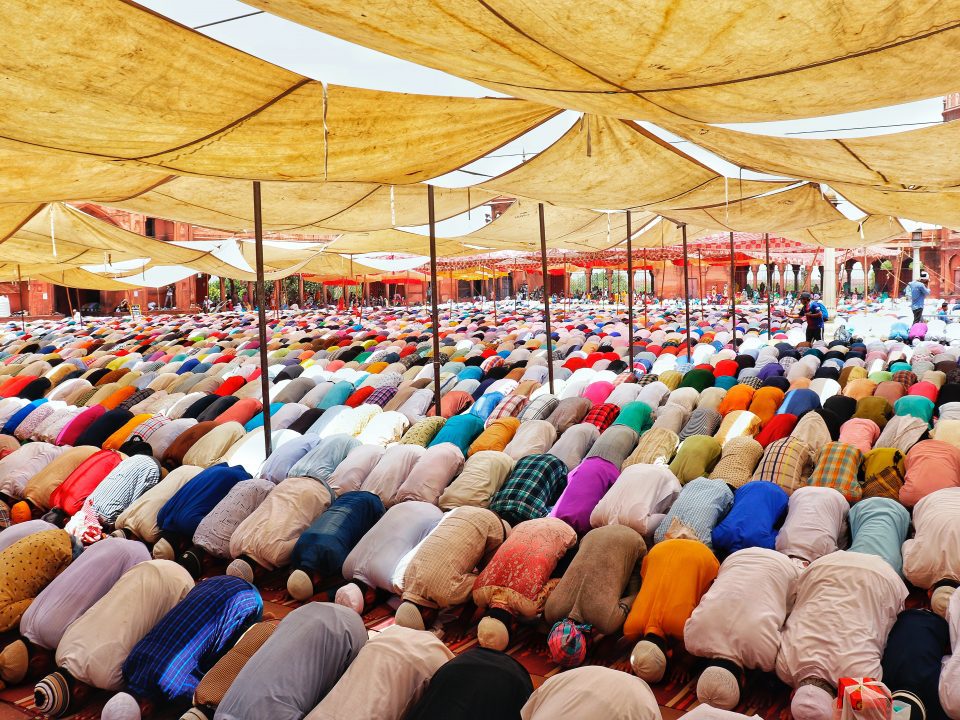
(751, 60)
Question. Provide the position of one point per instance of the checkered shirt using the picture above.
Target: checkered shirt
(510, 406)
(531, 490)
(602, 415)
(839, 468)
(786, 462)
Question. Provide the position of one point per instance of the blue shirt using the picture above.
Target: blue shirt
(918, 293)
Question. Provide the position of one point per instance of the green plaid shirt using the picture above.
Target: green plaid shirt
(532, 488)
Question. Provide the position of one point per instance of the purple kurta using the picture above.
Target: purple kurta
(586, 486)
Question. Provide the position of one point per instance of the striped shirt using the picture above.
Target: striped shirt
(510, 406)
(124, 484)
(701, 505)
(540, 408)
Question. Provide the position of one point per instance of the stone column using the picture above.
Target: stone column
(829, 281)
(916, 264)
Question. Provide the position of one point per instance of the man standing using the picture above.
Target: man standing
(917, 292)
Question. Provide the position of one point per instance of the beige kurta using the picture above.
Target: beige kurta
(140, 517)
(846, 605)
(95, 646)
(934, 552)
(740, 616)
(387, 677)
(270, 532)
(592, 693)
(442, 571)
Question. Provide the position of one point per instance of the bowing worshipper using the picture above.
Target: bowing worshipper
(534, 485)
(496, 435)
(592, 693)
(738, 461)
(847, 603)
(139, 520)
(950, 675)
(67, 597)
(913, 659)
(320, 462)
(696, 457)
(392, 471)
(378, 562)
(569, 412)
(213, 534)
(461, 430)
(586, 486)
(575, 443)
(674, 576)
(757, 513)
(736, 625)
(840, 466)
(483, 474)
(702, 421)
(67, 499)
(431, 474)
(698, 509)
(94, 647)
(655, 447)
(477, 685)
(314, 645)
(931, 465)
(931, 558)
(595, 592)
(387, 677)
(880, 526)
(23, 463)
(27, 566)
(862, 433)
(38, 488)
(324, 546)
(816, 524)
(442, 571)
(167, 664)
(181, 514)
(884, 472)
(639, 499)
(615, 444)
(516, 582)
(122, 485)
(533, 437)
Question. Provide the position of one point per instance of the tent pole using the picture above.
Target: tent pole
(686, 289)
(434, 313)
(69, 301)
(23, 309)
(630, 289)
(546, 296)
(700, 280)
(646, 281)
(262, 318)
(493, 284)
(766, 243)
(733, 294)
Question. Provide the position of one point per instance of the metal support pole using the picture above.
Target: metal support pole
(646, 282)
(262, 319)
(434, 313)
(23, 308)
(630, 289)
(546, 297)
(686, 289)
(766, 243)
(733, 294)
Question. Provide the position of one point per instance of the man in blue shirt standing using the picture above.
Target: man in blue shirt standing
(918, 292)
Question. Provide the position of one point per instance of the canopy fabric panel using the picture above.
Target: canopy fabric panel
(935, 207)
(752, 60)
(59, 236)
(34, 175)
(398, 241)
(153, 94)
(801, 207)
(912, 159)
(13, 216)
(606, 164)
(307, 260)
(292, 208)
(851, 233)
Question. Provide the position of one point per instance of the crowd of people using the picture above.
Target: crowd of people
(745, 501)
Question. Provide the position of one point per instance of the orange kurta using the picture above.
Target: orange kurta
(765, 403)
(675, 575)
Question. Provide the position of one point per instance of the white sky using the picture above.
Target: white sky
(338, 62)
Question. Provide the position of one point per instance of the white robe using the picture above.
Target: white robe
(740, 617)
(592, 693)
(846, 604)
(950, 675)
(816, 520)
(639, 499)
(934, 552)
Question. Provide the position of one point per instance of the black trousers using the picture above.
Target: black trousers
(917, 315)
(814, 333)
